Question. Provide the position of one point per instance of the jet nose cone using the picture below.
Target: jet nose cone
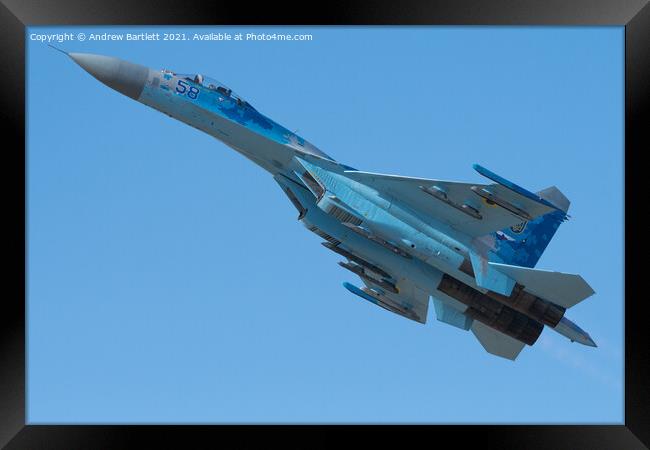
(123, 76)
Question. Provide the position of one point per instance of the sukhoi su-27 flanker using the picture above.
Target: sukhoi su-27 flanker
(469, 247)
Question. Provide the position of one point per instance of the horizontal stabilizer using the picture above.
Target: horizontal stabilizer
(497, 343)
(450, 315)
(563, 289)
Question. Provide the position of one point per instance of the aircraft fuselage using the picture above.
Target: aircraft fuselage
(389, 244)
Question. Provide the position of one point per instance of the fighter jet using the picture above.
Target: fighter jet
(470, 247)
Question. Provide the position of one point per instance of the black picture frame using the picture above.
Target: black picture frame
(15, 15)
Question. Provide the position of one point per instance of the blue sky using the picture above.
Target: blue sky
(169, 282)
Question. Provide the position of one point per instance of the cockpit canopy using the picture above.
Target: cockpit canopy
(215, 85)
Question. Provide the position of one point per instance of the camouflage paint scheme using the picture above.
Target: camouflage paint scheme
(523, 244)
(214, 113)
(404, 237)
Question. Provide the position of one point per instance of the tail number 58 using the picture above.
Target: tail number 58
(184, 88)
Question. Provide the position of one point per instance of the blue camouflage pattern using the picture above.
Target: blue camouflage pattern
(523, 245)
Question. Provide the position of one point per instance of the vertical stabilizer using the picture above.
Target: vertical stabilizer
(524, 243)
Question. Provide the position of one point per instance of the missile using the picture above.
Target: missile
(379, 300)
(511, 186)
(384, 243)
(358, 270)
(494, 199)
(356, 291)
(440, 194)
(356, 259)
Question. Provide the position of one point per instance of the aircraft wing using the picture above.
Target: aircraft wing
(471, 208)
